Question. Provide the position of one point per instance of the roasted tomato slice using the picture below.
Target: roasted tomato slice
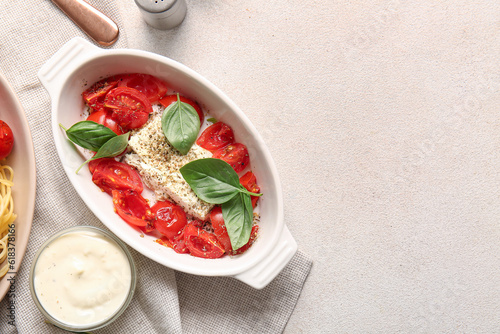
(130, 108)
(220, 232)
(132, 207)
(103, 117)
(234, 154)
(152, 87)
(6, 140)
(177, 243)
(150, 226)
(169, 99)
(216, 136)
(93, 164)
(249, 181)
(95, 94)
(110, 175)
(170, 218)
(202, 243)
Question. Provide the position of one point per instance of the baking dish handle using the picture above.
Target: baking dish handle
(53, 73)
(265, 271)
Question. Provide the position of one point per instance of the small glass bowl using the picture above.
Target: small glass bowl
(93, 326)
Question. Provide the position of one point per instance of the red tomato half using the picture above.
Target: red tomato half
(104, 117)
(202, 243)
(150, 226)
(94, 96)
(132, 207)
(216, 136)
(6, 140)
(110, 175)
(249, 181)
(93, 164)
(169, 99)
(177, 243)
(130, 108)
(220, 232)
(234, 154)
(152, 87)
(170, 219)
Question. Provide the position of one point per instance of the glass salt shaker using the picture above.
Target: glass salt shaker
(162, 14)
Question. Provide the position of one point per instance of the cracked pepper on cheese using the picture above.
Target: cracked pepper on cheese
(158, 163)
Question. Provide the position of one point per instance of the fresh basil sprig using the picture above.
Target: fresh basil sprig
(89, 134)
(215, 181)
(180, 124)
(97, 138)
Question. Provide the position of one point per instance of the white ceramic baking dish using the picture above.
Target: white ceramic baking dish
(76, 65)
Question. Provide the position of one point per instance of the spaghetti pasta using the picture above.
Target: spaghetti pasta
(7, 215)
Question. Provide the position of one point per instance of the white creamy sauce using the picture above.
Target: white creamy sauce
(82, 278)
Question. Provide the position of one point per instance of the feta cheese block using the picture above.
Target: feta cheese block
(158, 163)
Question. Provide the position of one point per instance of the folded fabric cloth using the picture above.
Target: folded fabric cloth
(165, 301)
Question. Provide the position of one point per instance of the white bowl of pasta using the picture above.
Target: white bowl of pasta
(79, 64)
(17, 189)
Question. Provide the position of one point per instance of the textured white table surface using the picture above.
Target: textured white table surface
(383, 119)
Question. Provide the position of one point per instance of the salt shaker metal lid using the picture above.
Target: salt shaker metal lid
(162, 14)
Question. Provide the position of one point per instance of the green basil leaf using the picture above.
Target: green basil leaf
(238, 218)
(212, 180)
(180, 124)
(111, 148)
(89, 135)
(212, 120)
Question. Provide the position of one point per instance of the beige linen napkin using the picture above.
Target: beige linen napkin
(165, 301)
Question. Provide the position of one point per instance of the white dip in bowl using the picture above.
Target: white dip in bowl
(82, 278)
